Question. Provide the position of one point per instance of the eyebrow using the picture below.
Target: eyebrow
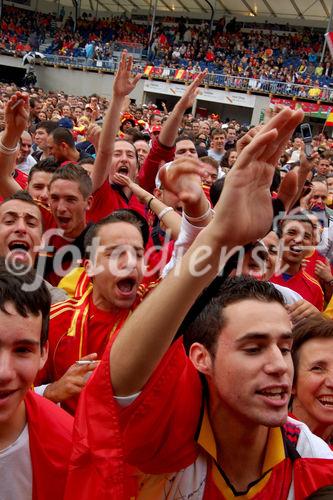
(15, 214)
(262, 336)
(27, 342)
(114, 247)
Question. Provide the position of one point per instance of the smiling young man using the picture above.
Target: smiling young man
(208, 425)
(297, 238)
(35, 435)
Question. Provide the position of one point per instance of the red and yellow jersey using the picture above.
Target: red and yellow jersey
(304, 284)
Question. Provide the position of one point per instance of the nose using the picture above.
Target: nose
(44, 195)
(329, 379)
(20, 225)
(6, 368)
(61, 206)
(276, 363)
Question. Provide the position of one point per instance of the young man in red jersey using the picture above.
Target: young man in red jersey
(297, 237)
(35, 435)
(220, 437)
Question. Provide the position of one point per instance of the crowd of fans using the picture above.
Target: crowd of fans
(255, 57)
(189, 263)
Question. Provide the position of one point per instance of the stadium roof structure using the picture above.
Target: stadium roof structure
(272, 10)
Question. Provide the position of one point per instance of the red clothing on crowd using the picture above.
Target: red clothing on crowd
(310, 262)
(77, 328)
(305, 285)
(109, 198)
(50, 442)
(158, 153)
(116, 448)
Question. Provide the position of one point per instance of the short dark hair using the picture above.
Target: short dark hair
(217, 131)
(35, 302)
(21, 195)
(122, 215)
(205, 319)
(297, 215)
(210, 161)
(61, 134)
(185, 137)
(318, 327)
(47, 165)
(47, 125)
(76, 173)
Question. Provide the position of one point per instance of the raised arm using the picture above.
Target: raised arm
(171, 219)
(243, 214)
(123, 85)
(16, 121)
(170, 128)
(162, 150)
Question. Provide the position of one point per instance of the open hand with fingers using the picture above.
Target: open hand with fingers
(125, 82)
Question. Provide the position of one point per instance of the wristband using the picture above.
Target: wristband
(165, 211)
(149, 202)
(202, 217)
(7, 151)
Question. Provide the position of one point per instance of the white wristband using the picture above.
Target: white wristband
(165, 211)
(202, 217)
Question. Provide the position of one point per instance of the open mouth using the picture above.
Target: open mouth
(274, 393)
(296, 249)
(123, 170)
(126, 285)
(326, 401)
(19, 245)
(5, 394)
(63, 220)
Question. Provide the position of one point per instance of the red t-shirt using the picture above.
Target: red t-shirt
(305, 285)
(109, 198)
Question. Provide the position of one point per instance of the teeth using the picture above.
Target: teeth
(326, 400)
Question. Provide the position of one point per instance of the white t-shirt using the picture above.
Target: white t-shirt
(16, 469)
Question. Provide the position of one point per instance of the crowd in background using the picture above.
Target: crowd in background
(258, 55)
(189, 263)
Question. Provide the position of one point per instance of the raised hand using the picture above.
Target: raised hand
(94, 134)
(17, 112)
(192, 91)
(124, 82)
(183, 178)
(244, 209)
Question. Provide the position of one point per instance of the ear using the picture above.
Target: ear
(89, 268)
(89, 202)
(44, 355)
(201, 358)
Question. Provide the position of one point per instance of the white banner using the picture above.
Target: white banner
(212, 95)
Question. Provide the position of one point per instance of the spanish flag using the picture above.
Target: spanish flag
(148, 70)
(179, 74)
(329, 119)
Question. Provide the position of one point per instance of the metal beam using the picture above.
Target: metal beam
(323, 4)
(183, 6)
(249, 7)
(166, 5)
(269, 8)
(91, 6)
(201, 6)
(133, 4)
(224, 7)
(293, 3)
(103, 5)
